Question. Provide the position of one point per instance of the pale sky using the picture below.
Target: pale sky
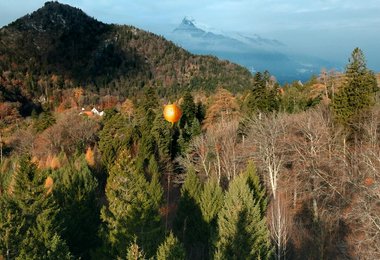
(324, 28)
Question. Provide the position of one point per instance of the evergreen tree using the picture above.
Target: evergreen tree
(182, 142)
(211, 201)
(262, 97)
(11, 232)
(134, 252)
(242, 231)
(147, 118)
(195, 128)
(189, 225)
(29, 227)
(147, 148)
(44, 120)
(149, 101)
(6, 172)
(255, 186)
(171, 249)
(133, 209)
(117, 133)
(76, 193)
(41, 243)
(257, 99)
(153, 168)
(297, 97)
(192, 185)
(187, 133)
(188, 108)
(146, 111)
(201, 112)
(358, 91)
(162, 133)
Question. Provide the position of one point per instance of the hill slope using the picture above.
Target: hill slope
(61, 41)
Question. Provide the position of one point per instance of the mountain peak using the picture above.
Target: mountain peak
(189, 21)
(54, 16)
(189, 26)
(55, 37)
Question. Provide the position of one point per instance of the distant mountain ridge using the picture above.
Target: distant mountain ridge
(220, 40)
(252, 51)
(62, 41)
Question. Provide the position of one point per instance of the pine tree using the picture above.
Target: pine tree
(261, 97)
(146, 111)
(255, 186)
(153, 168)
(134, 252)
(11, 232)
(148, 102)
(182, 141)
(189, 225)
(201, 112)
(257, 96)
(195, 128)
(242, 231)
(171, 249)
(357, 93)
(44, 120)
(116, 134)
(41, 243)
(211, 201)
(188, 108)
(29, 227)
(162, 133)
(133, 209)
(149, 117)
(76, 193)
(186, 134)
(192, 185)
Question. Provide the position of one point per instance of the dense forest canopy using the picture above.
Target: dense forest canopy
(252, 170)
(60, 47)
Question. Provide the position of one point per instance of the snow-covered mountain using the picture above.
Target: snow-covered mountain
(252, 51)
(196, 35)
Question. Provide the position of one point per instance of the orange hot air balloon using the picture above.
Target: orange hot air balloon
(172, 113)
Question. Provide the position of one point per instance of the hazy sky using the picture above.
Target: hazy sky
(325, 28)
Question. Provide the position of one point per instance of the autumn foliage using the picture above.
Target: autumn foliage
(124, 180)
(49, 183)
(90, 157)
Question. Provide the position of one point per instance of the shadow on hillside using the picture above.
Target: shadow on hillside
(318, 240)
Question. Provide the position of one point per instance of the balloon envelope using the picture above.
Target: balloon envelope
(172, 113)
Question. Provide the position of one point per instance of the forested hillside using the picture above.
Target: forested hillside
(252, 170)
(59, 47)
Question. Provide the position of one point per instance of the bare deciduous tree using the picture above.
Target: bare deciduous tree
(280, 225)
(364, 211)
(267, 139)
(215, 152)
(312, 149)
(71, 132)
(22, 141)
